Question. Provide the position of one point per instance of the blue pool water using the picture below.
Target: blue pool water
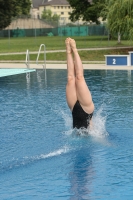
(41, 157)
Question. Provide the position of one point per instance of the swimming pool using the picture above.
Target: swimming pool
(41, 157)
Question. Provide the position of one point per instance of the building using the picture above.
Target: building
(59, 7)
(35, 8)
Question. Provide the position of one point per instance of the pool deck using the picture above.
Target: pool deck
(63, 66)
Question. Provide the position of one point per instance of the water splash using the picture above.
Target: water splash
(18, 162)
(67, 118)
(64, 114)
(52, 154)
(97, 128)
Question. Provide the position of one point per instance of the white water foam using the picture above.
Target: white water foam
(67, 118)
(97, 128)
(64, 114)
(18, 162)
(51, 154)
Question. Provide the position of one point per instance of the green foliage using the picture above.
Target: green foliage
(47, 15)
(25, 6)
(55, 17)
(87, 10)
(12, 8)
(119, 14)
(5, 13)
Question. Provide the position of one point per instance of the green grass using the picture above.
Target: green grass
(10, 45)
(55, 43)
(93, 55)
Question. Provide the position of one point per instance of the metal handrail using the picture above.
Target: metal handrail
(27, 61)
(44, 65)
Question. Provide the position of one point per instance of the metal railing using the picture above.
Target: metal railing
(27, 61)
(44, 64)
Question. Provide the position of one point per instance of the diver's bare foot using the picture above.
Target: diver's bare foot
(73, 45)
(68, 47)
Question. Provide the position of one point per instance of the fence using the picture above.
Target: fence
(58, 31)
(35, 27)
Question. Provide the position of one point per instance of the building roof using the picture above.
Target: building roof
(55, 2)
(36, 3)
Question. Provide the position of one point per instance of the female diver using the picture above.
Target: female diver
(78, 96)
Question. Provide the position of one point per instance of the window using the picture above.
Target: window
(54, 7)
(62, 7)
(58, 7)
(62, 13)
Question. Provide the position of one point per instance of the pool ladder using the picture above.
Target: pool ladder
(27, 61)
(44, 65)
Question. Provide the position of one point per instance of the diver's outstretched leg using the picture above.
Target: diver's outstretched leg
(70, 87)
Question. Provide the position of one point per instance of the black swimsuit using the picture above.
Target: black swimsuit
(81, 119)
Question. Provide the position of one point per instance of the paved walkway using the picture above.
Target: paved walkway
(99, 65)
(63, 66)
(52, 51)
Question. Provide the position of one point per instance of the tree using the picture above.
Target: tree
(88, 10)
(12, 8)
(119, 15)
(47, 15)
(55, 17)
(25, 6)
